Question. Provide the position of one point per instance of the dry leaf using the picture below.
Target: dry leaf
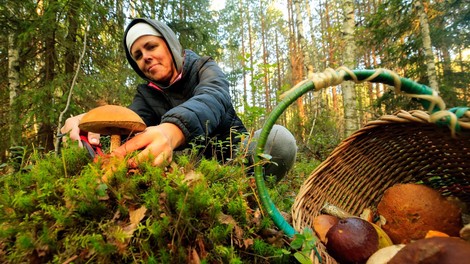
(201, 246)
(256, 220)
(192, 176)
(137, 215)
(228, 219)
(194, 257)
(247, 242)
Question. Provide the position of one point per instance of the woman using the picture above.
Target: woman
(185, 99)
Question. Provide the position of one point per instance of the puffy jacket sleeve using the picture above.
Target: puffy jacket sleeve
(202, 114)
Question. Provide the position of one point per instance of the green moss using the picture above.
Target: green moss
(61, 209)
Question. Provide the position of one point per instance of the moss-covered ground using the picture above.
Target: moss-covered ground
(57, 209)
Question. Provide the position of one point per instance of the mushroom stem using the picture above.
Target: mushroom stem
(115, 142)
(335, 211)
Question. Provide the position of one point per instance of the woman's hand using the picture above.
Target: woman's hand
(157, 142)
(71, 127)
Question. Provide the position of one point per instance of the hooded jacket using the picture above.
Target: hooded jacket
(198, 102)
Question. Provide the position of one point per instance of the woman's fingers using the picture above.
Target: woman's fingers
(94, 138)
(160, 153)
(71, 127)
(159, 158)
(163, 159)
(154, 144)
(138, 142)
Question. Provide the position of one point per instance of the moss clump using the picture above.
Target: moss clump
(60, 211)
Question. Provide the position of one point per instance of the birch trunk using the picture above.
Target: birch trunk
(427, 46)
(243, 60)
(13, 86)
(349, 93)
(252, 63)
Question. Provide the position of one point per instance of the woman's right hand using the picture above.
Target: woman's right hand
(156, 142)
(71, 127)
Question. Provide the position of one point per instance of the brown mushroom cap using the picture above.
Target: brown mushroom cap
(112, 120)
(437, 250)
(411, 210)
(352, 240)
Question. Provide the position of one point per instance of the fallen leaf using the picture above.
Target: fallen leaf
(256, 220)
(201, 246)
(247, 242)
(194, 257)
(192, 176)
(228, 219)
(137, 215)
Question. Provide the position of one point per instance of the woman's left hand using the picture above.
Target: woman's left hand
(157, 142)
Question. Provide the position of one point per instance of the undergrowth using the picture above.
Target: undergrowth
(60, 211)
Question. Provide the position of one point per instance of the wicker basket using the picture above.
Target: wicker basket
(399, 148)
(415, 146)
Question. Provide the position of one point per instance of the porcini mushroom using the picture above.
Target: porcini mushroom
(112, 120)
(411, 210)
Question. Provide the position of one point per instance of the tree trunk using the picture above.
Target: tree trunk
(349, 92)
(297, 61)
(46, 131)
(71, 39)
(429, 56)
(330, 56)
(252, 73)
(243, 55)
(13, 86)
(314, 61)
(267, 92)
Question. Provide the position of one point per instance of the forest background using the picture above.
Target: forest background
(52, 48)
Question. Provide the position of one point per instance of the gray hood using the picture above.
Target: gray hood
(170, 38)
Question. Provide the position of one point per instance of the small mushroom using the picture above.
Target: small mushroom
(322, 223)
(112, 120)
(465, 233)
(352, 240)
(383, 255)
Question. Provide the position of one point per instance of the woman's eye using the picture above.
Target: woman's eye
(137, 56)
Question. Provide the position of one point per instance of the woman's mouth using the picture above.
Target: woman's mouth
(151, 68)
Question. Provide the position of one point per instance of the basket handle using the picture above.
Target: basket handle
(424, 94)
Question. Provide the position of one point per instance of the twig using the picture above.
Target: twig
(57, 143)
(71, 259)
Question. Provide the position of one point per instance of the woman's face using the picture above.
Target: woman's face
(154, 59)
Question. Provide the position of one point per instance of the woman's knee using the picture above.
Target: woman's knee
(282, 147)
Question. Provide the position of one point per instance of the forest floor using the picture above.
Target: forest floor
(69, 209)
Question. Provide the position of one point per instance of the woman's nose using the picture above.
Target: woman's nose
(146, 56)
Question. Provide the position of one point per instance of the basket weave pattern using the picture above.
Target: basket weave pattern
(400, 148)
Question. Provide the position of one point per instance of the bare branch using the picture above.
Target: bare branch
(59, 125)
